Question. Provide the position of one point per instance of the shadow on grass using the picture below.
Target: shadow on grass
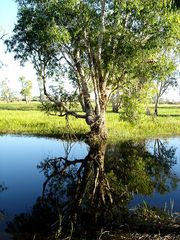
(168, 115)
(20, 108)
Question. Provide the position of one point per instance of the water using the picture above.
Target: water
(169, 200)
(19, 157)
(72, 177)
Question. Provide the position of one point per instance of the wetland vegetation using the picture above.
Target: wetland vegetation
(87, 54)
(22, 118)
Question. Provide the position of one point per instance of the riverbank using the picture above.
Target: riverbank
(22, 118)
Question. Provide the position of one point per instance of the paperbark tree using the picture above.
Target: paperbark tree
(101, 42)
(162, 87)
(164, 79)
(26, 88)
(6, 92)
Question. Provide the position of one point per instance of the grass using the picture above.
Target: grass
(22, 118)
(166, 124)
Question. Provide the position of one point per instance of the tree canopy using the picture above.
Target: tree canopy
(98, 45)
(26, 88)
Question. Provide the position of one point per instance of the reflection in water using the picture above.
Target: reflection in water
(81, 196)
(2, 188)
(164, 161)
(140, 170)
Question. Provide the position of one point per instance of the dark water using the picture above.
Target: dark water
(42, 179)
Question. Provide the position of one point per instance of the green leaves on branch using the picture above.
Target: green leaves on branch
(26, 88)
(104, 45)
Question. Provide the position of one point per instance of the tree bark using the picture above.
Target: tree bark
(156, 106)
(81, 101)
(26, 99)
(115, 107)
(116, 101)
(98, 130)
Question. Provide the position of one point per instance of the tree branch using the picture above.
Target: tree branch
(4, 34)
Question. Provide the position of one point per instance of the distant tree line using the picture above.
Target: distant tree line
(7, 94)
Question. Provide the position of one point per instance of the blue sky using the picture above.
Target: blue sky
(12, 69)
(8, 13)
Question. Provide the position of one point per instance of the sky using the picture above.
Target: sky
(12, 71)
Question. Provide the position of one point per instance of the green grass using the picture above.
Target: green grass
(22, 118)
(21, 106)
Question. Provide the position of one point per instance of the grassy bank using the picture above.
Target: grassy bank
(22, 118)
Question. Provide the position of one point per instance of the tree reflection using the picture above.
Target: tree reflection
(164, 159)
(80, 186)
(2, 188)
(140, 170)
(81, 196)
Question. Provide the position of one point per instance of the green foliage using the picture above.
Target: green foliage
(134, 101)
(104, 44)
(132, 169)
(26, 87)
(69, 99)
(132, 109)
(6, 92)
(164, 77)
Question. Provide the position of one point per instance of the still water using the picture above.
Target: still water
(169, 152)
(19, 175)
(71, 175)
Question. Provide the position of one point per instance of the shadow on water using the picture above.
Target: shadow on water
(80, 197)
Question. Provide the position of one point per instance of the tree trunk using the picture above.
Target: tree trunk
(116, 101)
(81, 101)
(156, 111)
(156, 106)
(98, 128)
(115, 107)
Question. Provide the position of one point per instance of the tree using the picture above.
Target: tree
(26, 88)
(6, 92)
(116, 101)
(164, 80)
(101, 42)
(162, 87)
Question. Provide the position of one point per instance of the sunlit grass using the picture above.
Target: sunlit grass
(20, 106)
(22, 118)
